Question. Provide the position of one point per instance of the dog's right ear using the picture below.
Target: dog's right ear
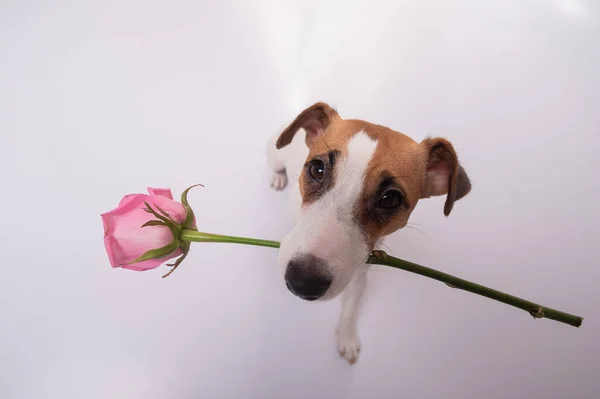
(444, 174)
(314, 120)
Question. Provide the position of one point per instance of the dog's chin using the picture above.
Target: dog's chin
(342, 276)
(331, 293)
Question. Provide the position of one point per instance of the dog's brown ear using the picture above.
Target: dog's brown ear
(314, 120)
(444, 174)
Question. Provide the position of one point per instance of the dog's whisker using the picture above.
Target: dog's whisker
(420, 231)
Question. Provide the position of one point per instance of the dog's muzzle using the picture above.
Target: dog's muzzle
(307, 277)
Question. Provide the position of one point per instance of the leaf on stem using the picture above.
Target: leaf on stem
(190, 217)
(158, 252)
(153, 223)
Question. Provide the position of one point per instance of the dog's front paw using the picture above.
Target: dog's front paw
(348, 344)
(279, 180)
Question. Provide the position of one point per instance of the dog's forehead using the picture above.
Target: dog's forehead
(396, 154)
(340, 133)
(395, 151)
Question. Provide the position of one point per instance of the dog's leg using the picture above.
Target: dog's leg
(275, 159)
(347, 336)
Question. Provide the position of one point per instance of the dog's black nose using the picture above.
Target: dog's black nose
(306, 277)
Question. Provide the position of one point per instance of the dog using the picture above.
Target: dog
(354, 183)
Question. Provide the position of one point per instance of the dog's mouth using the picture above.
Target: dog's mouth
(321, 254)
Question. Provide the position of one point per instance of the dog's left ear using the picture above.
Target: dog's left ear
(314, 120)
(443, 173)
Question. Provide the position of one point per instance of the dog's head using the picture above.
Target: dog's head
(360, 182)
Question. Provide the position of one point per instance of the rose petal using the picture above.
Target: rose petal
(160, 192)
(126, 199)
(124, 237)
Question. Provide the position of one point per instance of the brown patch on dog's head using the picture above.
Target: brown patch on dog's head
(392, 183)
(404, 171)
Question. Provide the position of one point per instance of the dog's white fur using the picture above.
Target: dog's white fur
(326, 229)
(339, 216)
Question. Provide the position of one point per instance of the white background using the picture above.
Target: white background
(103, 98)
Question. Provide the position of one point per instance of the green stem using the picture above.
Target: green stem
(196, 236)
(534, 309)
(381, 258)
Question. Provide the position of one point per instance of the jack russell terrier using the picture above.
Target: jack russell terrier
(354, 183)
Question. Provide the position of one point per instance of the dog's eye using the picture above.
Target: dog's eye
(317, 170)
(391, 199)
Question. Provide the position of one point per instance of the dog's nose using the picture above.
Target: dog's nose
(306, 277)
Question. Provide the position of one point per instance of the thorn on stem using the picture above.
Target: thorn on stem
(537, 313)
(380, 254)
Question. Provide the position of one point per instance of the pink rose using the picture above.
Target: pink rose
(126, 240)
